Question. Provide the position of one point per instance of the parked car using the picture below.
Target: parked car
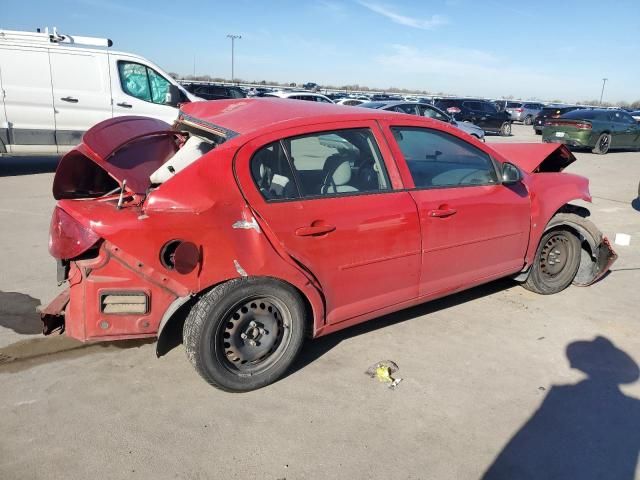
(551, 111)
(214, 92)
(55, 87)
(427, 110)
(480, 112)
(287, 238)
(311, 86)
(598, 129)
(525, 112)
(351, 102)
(308, 96)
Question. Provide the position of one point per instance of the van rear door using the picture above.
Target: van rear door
(28, 100)
(81, 93)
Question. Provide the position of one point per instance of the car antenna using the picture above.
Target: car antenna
(121, 197)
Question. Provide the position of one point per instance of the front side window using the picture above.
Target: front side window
(426, 111)
(437, 159)
(488, 107)
(326, 163)
(142, 82)
(410, 109)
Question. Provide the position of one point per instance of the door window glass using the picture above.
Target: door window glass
(330, 163)
(429, 112)
(437, 159)
(142, 82)
(488, 107)
(411, 109)
(272, 174)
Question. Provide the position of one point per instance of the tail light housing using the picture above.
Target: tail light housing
(453, 110)
(519, 110)
(68, 238)
(583, 126)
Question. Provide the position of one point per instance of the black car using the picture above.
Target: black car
(214, 92)
(481, 112)
(551, 111)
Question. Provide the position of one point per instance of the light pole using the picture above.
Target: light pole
(233, 39)
(604, 80)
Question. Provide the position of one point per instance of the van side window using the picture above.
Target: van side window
(142, 82)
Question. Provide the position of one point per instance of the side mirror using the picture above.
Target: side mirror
(173, 95)
(510, 174)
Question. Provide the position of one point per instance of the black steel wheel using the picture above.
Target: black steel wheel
(603, 144)
(556, 263)
(244, 334)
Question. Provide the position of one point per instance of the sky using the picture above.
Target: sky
(547, 50)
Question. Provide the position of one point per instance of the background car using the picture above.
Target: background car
(480, 112)
(551, 111)
(214, 92)
(351, 102)
(427, 110)
(635, 115)
(526, 112)
(598, 129)
(308, 96)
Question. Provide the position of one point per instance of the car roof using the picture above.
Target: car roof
(255, 115)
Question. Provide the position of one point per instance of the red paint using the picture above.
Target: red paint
(352, 257)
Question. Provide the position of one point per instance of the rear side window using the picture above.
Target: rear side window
(437, 159)
(142, 82)
(326, 163)
(514, 104)
(411, 109)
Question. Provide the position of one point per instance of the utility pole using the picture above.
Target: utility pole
(604, 80)
(233, 39)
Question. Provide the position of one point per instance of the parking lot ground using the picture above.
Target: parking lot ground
(476, 366)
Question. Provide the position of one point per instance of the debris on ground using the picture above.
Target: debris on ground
(383, 371)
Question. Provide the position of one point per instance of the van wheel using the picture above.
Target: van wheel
(603, 144)
(244, 334)
(556, 263)
(505, 129)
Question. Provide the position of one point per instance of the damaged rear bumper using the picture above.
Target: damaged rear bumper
(52, 315)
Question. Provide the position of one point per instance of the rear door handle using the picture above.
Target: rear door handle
(124, 104)
(314, 230)
(442, 212)
(69, 99)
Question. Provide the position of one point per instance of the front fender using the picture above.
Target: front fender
(549, 192)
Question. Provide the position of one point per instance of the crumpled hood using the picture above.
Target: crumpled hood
(126, 148)
(536, 157)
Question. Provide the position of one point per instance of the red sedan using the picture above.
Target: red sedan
(264, 221)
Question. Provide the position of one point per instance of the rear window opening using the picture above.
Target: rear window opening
(79, 177)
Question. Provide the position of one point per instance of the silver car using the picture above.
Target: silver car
(427, 110)
(523, 112)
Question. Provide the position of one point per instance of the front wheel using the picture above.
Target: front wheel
(505, 129)
(602, 144)
(244, 334)
(556, 263)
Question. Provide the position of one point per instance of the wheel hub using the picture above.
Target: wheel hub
(554, 256)
(252, 332)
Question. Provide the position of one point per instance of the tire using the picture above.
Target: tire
(538, 132)
(562, 247)
(603, 144)
(244, 334)
(528, 120)
(505, 129)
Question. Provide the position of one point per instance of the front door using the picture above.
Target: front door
(474, 229)
(81, 94)
(330, 199)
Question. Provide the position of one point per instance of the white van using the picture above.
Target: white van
(52, 90)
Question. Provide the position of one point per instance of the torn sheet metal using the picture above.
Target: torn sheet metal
(247, 224)
(241, 271)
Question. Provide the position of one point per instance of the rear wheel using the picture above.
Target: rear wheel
(602, 144)
(505, 129)
(528, 120)
(556, 263)
(244, 334)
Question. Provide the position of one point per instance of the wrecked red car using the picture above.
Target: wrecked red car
(255, 223)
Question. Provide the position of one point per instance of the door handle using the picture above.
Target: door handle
(314, 230)
(69, 99)
(124, 104)
(442, 212)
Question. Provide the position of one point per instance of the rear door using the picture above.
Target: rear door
(342, 214)
(474, 229)
(28, 101)
(81, 93)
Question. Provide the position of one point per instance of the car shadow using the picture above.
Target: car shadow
(313, 349)
(587, 430)
(18, 313)
(27, 165)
